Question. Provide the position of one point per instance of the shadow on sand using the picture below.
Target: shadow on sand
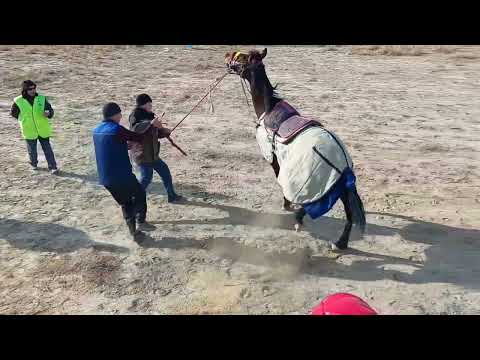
(452, 255)
(51, 237)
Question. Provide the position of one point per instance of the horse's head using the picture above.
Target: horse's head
(243, 63)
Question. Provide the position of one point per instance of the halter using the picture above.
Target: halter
(234, 66)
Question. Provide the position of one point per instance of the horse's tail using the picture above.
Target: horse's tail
(356, 207)
(353, 199)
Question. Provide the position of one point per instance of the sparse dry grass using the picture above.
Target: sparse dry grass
(466, 57)
(446, 49)
(213, 295)
(65, 50)
(13, 78)
(97, 269)
(414, 50)
(389, 50)
(436, 148)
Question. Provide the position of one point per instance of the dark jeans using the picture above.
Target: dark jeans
(133, 200)
(146, 171)
(47, 150)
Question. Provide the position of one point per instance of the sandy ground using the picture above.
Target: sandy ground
(411, 124)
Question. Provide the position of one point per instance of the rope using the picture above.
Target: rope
(244, 93)
(212, 86)
(248, 104)
(173, 142)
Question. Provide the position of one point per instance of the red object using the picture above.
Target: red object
(343, 304)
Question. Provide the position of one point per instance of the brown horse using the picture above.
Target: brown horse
(310, 163)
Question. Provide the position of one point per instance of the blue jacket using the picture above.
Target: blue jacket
(113, 163)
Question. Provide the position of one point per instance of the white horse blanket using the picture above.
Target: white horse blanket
(310, 164)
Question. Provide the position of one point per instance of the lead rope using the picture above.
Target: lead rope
(211, 88)
(209, 93)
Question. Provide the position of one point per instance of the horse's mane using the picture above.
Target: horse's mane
(275, 92)
(269, 91)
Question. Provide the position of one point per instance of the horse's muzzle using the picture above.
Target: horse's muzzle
(234, 67)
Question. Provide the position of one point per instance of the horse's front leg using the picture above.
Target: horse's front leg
(287, 205)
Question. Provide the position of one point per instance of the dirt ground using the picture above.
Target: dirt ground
(410, 118)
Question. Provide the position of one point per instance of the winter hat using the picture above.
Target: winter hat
(142, 99)
(343, 304)
(27, 84)
(110, 110)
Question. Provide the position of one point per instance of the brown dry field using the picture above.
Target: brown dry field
(409, 115)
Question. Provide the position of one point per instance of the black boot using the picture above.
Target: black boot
(144, 226)
(137, 235)
(132, 227)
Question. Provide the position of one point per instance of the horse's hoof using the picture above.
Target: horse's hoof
(338, 246)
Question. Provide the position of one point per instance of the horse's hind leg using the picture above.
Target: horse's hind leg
(342, 242)
(287, 205)
(299, 215)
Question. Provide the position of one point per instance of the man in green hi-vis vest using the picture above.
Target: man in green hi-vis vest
(33, 112)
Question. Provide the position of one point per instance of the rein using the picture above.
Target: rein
(256, 121)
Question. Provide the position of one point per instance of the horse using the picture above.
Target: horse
(311, 163)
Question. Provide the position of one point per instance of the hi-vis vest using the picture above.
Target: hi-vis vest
(33, 121)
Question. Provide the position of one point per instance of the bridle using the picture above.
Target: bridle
(234, 66)
(238, 68)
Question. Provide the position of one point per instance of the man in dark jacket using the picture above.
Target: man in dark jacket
(33, 112)
(115, 170)
(146, 154)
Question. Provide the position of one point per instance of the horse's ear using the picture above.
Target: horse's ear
(228, 56)
(264, 53)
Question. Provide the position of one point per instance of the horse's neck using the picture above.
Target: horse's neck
(259, 101)
(258, 104)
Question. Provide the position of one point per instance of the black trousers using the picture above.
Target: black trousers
(47, 150)
(133, 200)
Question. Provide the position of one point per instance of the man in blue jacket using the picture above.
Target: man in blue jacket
(115, 170)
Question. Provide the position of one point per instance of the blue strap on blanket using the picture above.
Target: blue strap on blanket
(326, 202)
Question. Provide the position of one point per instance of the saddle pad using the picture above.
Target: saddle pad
(281, 112)
(293, 126)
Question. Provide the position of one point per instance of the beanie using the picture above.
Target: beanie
(142, 99)
(110, 110)
(27, 84)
